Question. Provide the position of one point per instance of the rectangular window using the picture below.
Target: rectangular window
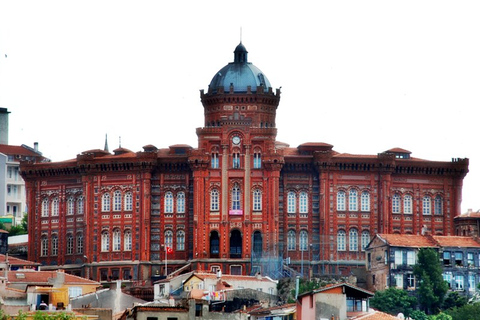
(257, 161)
(446, 258)
(398, 257)
(74, 292)
(459, 285)
(458, 259)
(411, 281)
(236, 161)
(214, 161)
(471, 282)
(447, 277)
(470, 261)
(410, 258)
(399, 281)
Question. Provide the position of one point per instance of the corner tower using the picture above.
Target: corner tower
(236, 169)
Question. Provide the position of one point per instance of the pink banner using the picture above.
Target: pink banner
(236, 212)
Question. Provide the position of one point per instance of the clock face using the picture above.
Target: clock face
(236, 140)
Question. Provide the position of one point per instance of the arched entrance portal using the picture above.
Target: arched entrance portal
(214, 244)
(235, 244)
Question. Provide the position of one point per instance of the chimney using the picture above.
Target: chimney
(4, 125)
(35, 147)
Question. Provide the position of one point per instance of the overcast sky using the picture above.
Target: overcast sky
(364, 76)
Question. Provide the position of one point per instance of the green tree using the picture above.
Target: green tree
(440, 316)
(433, 288)
(418, 315)
(454, 299)
(393, 301)
(467, 312)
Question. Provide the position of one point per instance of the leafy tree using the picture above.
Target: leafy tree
(24, 222)
(22, 228)
(393, 301)
(433, 288)
(454, 299)
(467, 312)
(418, 315)
(440, 316)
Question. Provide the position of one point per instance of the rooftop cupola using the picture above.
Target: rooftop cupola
(241, 54)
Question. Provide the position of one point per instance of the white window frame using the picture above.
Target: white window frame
(341, 197)
(181, 202)
(105, 202)
(303, 202)
(353, 239)
(353, 200)
(291, 202)
(168, 201)
(341, 240)
(407, 204)
(127, 240)
(128, 201)
(117, 200)
(396, 203)
(214, 200)
(257, 200)
(427, 206)
(365, 201)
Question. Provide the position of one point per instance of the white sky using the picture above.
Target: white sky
(365, 76)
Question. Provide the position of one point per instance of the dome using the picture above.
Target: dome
(240, 73)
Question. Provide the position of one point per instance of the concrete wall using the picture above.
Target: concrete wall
(103, 314)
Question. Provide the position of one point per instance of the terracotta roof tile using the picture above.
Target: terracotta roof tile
(42, 277)
(375, 315)
(407, 240)
(17, 150)
(456, 241)
(17, 262)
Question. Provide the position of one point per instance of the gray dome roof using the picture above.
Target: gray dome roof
(240, 73)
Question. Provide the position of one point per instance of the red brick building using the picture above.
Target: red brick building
(239, 202)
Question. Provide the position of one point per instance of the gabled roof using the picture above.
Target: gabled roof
(17, 150)
(407, 240)
(347, 288)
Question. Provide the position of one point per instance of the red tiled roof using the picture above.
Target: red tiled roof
(17, 262)
(375, 315)
(407, 240)
(41, 277)
(398, 150)
(17, 150)
(456, 241)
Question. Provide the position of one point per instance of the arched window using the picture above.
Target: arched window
(257, 159)
(80, 243)
(291, 202)
(438, 205)
(236, 160)
(169, 239)
(180, 240)
(291, 240)
(341, 200)
(427, 205)
(45, 207)
(236, 197)
(117, 200)
(44, 246)
(365, 239)
(54, 245)
(127, 240)
(365, 201)
(128, 201)
(353, 200)
(303, 240)
(181, 202)
(341, 240)
(396, 203)
(105, 241)
(106, 202)
(257, 200)
(55, 207)
(214, 160)
(353, 240)
(117, 240)
(69, 244)
(407, 204)
(303, 202)
(168, 202)
(80, 205)
(214, 203)
(70, 206)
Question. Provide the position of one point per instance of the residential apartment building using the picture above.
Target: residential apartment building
(392, 257)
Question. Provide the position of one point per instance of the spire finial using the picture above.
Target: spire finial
(240, 34)
(105, 148)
